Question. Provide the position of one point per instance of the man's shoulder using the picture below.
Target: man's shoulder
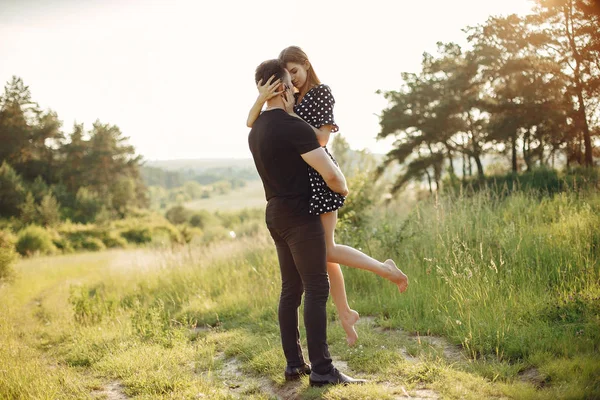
(289, 122)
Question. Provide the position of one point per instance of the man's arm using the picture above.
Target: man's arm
(322, 163)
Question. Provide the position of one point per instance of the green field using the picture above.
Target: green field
(503, 302)
(250, 196)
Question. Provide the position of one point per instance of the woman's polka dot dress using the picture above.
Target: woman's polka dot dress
(316, 108)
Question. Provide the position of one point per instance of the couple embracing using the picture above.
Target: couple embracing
(304, 188)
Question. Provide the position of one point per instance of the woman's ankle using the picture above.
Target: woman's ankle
(345, 313)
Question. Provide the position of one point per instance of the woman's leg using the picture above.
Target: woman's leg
(346, 255)
(337, 289)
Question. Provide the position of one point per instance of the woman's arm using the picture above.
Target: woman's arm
(265, 92)
(255, 111)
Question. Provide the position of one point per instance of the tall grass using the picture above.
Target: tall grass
(509, 277)
(514, 280)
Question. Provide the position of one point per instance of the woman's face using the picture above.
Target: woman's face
(298, 73)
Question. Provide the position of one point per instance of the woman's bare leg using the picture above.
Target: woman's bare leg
(337, 288)
(346, 255)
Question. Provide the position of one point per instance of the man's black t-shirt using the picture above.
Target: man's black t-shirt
(276, 141)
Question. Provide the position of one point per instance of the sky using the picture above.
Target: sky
(177, 76)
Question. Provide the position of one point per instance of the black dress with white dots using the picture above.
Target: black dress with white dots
(316, 108)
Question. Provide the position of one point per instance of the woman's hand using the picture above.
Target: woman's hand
(269, 89)
(289, 100)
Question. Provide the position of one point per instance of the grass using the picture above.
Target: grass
(504, 301)
(250, 196)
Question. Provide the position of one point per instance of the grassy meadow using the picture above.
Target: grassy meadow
(250, 196)
(503, 302)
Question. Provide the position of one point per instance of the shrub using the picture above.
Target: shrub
(92, 244)
(541, 180)
(178, 215)
(137, 235)
(215, 233)
(359, 201)
(34, 239)
(113, 240)
(62, 243)
(168, 230)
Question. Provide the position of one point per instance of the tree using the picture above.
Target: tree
(568, 31)
(18, 114)
(12, 191)
(524, 90)
(29, 136)
(432, 115)
(73, 155)
(49, 210)
(87, 205)
(113, 169)
(29, 211)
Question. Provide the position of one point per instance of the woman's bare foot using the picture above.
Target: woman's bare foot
(395, 275)
(348, 322)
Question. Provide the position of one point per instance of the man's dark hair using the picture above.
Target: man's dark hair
(268, 68)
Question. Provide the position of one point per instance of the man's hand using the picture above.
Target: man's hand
(269, 89)
(322, 163)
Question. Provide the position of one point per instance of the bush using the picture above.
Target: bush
(168, 230)
(215, 233)
(178, 215)
(137, 235)
(7, 254)
(542, 180)
(361, 198)
(35, 239)
(113, 240)
(203, 219)
(62, 243)
(92, 244)
(249, 228)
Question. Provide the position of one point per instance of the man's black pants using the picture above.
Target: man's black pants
(302, 257)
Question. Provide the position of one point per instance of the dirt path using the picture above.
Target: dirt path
(240, 384)
(112, 391)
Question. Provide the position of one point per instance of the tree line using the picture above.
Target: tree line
(47, 175)
(527, 88)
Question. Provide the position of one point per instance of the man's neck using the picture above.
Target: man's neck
(275, 103)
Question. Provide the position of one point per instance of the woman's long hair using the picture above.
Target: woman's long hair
(296, 55)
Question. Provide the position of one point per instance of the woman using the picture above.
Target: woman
(313, 103)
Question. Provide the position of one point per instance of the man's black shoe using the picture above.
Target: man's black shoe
(335, 377)
(294, 373)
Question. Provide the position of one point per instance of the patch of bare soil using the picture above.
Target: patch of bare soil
(112, 391)
(451, 352)
(534, 377)
(419, 394)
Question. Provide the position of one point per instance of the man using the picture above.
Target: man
(282, 146)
